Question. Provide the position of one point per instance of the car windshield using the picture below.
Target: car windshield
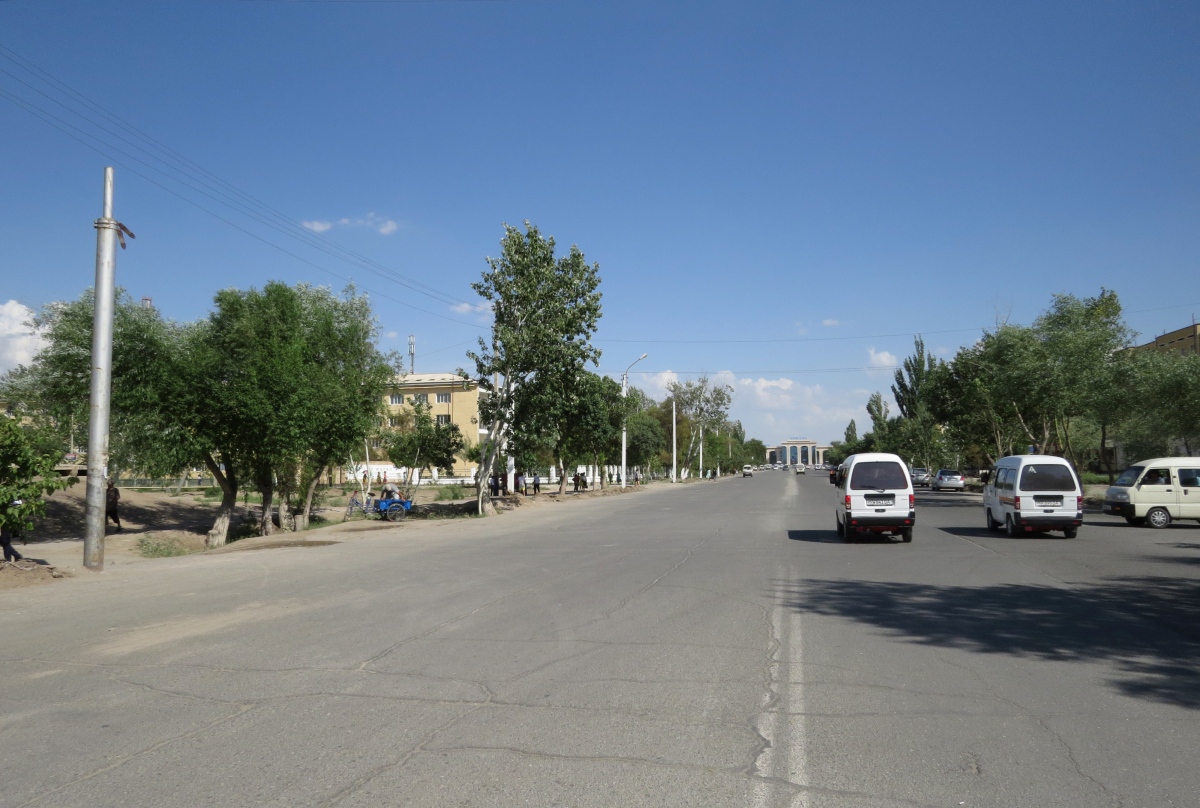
(1047, 477)
(1129, 476)
(875, 475)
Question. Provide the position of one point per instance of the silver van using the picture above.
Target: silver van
(1155, 492)
(1032, 493)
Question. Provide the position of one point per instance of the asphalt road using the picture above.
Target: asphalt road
(706, 644)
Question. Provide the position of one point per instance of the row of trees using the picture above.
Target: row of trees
(1068, 385)
(540, 403)
(267, 392)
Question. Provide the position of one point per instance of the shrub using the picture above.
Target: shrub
(149, 548)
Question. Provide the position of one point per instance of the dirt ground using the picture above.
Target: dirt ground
(54, 547)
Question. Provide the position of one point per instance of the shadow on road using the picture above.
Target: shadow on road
(1144, 626)
(820, 536)
(984, 533)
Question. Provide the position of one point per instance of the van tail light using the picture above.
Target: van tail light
(1079, 503)
(1016, 503)
(912, 502)
(847, 502)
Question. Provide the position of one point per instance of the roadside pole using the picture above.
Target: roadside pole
(101, 384)
(625, 415)
(674, 444)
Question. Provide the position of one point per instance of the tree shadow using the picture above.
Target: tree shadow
(984, 533)
(1144, 626)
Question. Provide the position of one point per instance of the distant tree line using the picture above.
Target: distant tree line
(1069, 385)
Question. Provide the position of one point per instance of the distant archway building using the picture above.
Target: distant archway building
(797, 451)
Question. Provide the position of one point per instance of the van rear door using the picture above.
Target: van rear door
(1048, 490)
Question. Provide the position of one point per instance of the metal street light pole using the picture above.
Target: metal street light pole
(624, 418)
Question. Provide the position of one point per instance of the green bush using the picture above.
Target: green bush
(446, 493)
(149, 548)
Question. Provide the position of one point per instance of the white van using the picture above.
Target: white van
(1033, 493)
(877, 496)
(1153, 492)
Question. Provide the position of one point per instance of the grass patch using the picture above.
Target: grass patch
(447, 493)
(149, 548)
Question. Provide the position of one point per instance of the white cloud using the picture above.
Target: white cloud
(882, 359)
(383, 226)
(392, 334)
(18, 341)
(472, 308)
(654, 384)
(830, 322)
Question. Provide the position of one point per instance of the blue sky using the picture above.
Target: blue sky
(779, 194)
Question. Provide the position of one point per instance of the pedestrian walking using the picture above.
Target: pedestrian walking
(10, 552)
(112, 497)
(495, 485)
(519, 483)
(537, 483)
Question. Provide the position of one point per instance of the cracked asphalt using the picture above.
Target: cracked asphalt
(706, 644)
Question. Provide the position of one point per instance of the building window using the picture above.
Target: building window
(393, 421)
(443, 398)
(443, 420)
(397, 398)
(420, 398)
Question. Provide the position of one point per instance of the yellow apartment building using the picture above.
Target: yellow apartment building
(451, 400)
(1182, 341)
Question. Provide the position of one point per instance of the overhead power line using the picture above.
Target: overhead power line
(176, 168)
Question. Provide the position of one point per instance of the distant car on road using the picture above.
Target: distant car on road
(920, 476)
(948, 480)
(799, 469)
(747, 471)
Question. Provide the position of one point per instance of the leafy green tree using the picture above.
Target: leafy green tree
(702, 406)
(756, 452)
(544, 313)
(425, 444)
(26, 475)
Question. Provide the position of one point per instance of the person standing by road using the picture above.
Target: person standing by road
(537, 483)
(111, 497)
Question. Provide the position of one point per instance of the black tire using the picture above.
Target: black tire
(1010, 527)
(1071, 532)
(841, 529)
(395, 512)
(1158, 518)
(992, 525)
(1135, 520)
(906, 535)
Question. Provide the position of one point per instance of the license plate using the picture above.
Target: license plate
(878, 502)
(1048, 502)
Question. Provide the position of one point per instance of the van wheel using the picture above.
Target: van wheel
(906, 535)
(1158, 518)
(841, 530)
(1070, 532)
(992, 524)
(1010, 527)
(1135, 520)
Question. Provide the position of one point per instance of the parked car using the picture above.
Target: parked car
(948, 479)
(747, 471)
(877, 496)
(1032, 493)
(1154, 492)
(920, 477)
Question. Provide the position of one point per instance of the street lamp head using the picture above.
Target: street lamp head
(643, 356)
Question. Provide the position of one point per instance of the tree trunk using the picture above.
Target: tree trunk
(562, 477)
(218, 535)
(267, 488)
(282, 512)
(1104, 458)
(600, 472)
(302, 517)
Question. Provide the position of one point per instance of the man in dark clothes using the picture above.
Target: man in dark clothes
(10, 552)
(111, 497)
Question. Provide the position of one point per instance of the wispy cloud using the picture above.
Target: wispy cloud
(18, 341)
(472, 308)
(830, 322)
(373, 221)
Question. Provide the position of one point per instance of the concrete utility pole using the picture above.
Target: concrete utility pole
(701, 452)
(674, 444)
(624, 417)
(412, 353)
(108, 231)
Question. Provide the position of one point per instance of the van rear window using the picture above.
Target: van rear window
(873, 475)
(1047, 477)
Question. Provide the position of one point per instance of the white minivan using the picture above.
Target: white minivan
(877, 496)
(1153, 492)
(1033, 493)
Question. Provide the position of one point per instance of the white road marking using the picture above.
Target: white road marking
(781, 718)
